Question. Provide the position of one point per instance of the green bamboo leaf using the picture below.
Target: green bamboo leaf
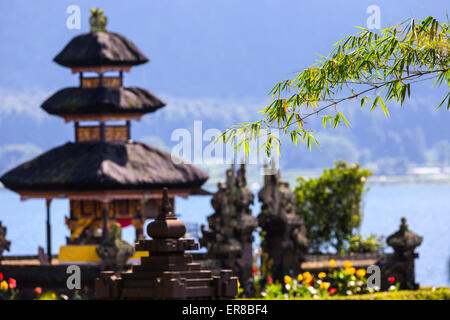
(385, 109)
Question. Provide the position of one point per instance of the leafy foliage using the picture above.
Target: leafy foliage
(331, 205)
(360, 66)
(359, 244)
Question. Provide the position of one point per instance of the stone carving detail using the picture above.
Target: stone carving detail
(284, 233)
(400, 264)
(168, 272)
(114, 252)
(4, 244)
(229, 237)
(97, 20)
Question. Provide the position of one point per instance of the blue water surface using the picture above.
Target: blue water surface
(425, 206)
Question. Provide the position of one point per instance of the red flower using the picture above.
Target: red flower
(1, 276)
(311, 282)
(269, 279)
(391, 280)
(38, 290)
(12, 283)
(86, 288)
(254, 271)
(332, 291)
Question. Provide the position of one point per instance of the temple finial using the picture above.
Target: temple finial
(166, 225)
(97, 20)
(403, 225)
(166, 207)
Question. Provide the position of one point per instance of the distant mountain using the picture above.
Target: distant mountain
(214, 62)
(415, 134)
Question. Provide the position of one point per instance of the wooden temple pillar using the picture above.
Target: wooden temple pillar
(138, 221)
(105, 214)
(102, 131)
(76, 126)
(49, 235)
(128, 125)
(100, 79)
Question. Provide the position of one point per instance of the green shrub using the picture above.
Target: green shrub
(331, 205)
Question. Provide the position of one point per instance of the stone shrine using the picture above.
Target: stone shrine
(229, 237)
(168, 272)
(284, 239)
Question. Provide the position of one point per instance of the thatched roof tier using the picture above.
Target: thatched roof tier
(100, 49)
(94, 166)
(102, 100)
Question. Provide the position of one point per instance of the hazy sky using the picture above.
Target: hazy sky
(210, 60)
(198, 48)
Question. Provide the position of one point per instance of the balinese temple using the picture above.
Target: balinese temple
(106, 176)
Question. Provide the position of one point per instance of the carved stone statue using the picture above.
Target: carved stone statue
(4, 244)
(284, 234)
(229, 237)
(400, 264)
(115, 252)
(97, 20)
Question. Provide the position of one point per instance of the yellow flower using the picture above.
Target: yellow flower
(347, 264)
(287, 279)
(324, 285)
(307, 277)
(299, 278)
(53, 295)
(239, 284)
(332, 263)
(361, 273)
(322, 275)
(4, 286)
(350, 270)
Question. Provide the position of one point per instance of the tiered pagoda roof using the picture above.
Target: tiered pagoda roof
(104, 173)
(100, 48)
(102, 100)
(103, 157)
(99, 165)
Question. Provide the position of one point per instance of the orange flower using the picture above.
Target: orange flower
(350, 270)
(361, 273)
(307, 278)
(332, 263)
(347, 264)
(324, 285)
(3, 286)
(287, 279)
(322, 275)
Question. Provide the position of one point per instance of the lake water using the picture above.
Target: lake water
(425, 206)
